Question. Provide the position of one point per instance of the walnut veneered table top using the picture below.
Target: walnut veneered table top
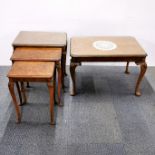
(34, 38)
(36, 54)
(126, 46)
(23, 69)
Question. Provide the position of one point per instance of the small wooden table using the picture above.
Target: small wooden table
(44, 54)
(32, 72)
(43, 39)
(127, 50)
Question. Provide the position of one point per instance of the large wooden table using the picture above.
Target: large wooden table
(43, 39)
(127, 50)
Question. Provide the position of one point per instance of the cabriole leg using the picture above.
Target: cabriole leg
(73, 82)
(51, 93)
(127, 68)
(143, 67)
(19, 93)
(16, 105)
(59, 69)
(23, 93)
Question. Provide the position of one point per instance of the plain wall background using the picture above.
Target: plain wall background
(78, 17)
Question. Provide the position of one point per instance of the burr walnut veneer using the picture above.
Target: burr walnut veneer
(128, 50)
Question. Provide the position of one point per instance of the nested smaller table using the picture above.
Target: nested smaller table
(119, 49)
(44, 54)
(43, 39)
(32, 72)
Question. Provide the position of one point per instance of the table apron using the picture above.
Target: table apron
(108, 59)
(30, 79)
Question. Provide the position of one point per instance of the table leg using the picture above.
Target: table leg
(23, 93)
(18, 113)
(63, 66)
(19, 93)
(72, 73)
(64, 53)
(59, 69)
(127, 68)
(143, 67)
(51, 92)
(64, 63)
(28, 85)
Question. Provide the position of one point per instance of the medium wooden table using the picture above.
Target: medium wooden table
(22, 71)
(40, 54)
(43, 39)
(127, 50)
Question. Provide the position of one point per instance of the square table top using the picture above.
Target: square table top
(27, 69)
(36, 38)
(36, 54)
(126, 47)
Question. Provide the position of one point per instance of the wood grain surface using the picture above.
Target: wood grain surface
(36, 54)
(22, 69)
(126, 46)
